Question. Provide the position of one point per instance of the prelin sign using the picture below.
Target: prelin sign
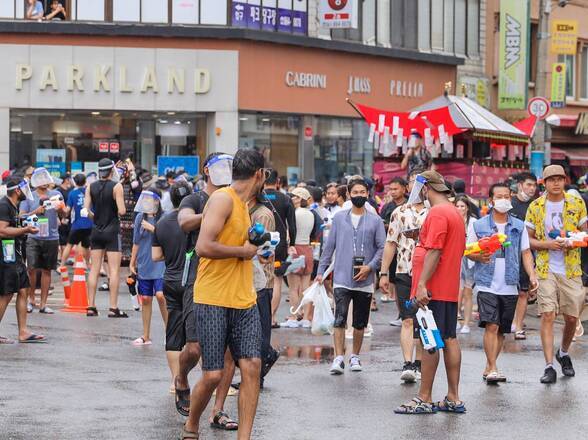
(338, 14)
(514, 36)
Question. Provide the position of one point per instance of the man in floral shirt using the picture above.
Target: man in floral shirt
(558, 265)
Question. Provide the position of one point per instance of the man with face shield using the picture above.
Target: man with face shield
(497, 276)
(104, 204)
(13, 272)
(190, 219)
(226, 310)
(43, 247)
(436, 270)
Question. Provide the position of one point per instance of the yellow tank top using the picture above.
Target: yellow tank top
(228, 282)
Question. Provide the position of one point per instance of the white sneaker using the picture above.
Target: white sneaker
(305, 323)
(355, 363)
(135, 302)
(29, 308)
(47, 310)
(290, 323)
(396, 323)
(338, 366)
(465, 330)
(369, 331)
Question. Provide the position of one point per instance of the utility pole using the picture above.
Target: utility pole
(539, 139)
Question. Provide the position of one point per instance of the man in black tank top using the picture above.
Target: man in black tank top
(104, 204)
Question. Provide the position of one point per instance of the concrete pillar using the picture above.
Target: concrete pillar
(223, 132)
(4, 138)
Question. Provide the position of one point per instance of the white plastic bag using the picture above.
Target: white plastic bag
(323, 318)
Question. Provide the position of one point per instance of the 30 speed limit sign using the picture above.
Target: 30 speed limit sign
(539, 107)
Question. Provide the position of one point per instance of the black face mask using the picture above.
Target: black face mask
(359, 201)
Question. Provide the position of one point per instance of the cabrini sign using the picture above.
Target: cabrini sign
(103, 78)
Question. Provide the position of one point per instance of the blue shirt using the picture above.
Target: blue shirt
(147, 269)
(50, 216)
(75, 201)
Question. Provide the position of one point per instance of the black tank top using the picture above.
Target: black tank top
(104, 206)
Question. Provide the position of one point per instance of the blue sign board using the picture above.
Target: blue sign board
(188, 164)
(56, 169)
(537, 159)
(77, 167)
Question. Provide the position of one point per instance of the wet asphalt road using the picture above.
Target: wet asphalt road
(88, 382)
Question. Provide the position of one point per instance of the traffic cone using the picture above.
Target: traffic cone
(66, 284)
(78, 301)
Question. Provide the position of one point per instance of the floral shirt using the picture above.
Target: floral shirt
(574, 216)
(404, 218)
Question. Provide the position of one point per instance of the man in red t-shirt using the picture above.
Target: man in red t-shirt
(436, 266)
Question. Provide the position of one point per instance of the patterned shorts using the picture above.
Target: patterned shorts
(221, 327)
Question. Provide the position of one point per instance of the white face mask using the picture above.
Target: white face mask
(524, 196)
(502, 205)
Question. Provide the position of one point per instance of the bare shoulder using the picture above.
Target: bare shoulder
(219, 202)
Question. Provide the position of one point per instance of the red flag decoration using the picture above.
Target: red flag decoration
(391, 130)
(527, 125)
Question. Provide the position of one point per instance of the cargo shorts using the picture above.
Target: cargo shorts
(560, 294)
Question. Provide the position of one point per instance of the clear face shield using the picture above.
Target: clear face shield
(182, 178)
(41, 177)
(417, 187)
(220, 170)
(148, 203)
(24, 188)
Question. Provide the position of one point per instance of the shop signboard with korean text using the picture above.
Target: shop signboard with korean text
(558, 85)
(564, 37)
(187, 164)
(338, 14)
(513, 54)
(288, 16)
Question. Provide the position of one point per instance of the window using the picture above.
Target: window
(437, 24)
(91, 10)
(126, 10)
(448, 18)
(154, 11)
(369, 22)
(185, 11)
(570, 61)
(584, 73)
(473, 26)
(424, 25)
(213, 12)
(460, 27)
(403, 23)
(7, 9)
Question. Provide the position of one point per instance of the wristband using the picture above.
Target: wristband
(383, 274)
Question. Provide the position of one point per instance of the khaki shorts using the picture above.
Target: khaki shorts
(560, 294)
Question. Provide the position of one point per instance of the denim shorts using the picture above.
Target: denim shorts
(150, 287)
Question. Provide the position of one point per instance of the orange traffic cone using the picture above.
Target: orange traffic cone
(66, 284)
(78, 301)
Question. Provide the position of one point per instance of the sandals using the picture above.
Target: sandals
(520, 335)
(182, 399)
(141, 341)
(33, 339)
(222, 421)
(117, 313)
(492, 378)
(416, 406)
(446, 405)
(189, 435)
(91, 311)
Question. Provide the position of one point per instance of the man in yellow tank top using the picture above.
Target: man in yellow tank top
(226, 310)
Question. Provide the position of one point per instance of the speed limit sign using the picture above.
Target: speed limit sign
(539, 107)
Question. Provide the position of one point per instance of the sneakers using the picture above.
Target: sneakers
(566, 364)
(290, 323)
(396, 323)
(549, 376)
(465, 330)
(29, 308)
(369, 331)
(305, 323)
(408, 374)
(355, 363)
(338, 366)
(49, 311)
(135, 302)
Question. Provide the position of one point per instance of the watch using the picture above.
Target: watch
(383, 274)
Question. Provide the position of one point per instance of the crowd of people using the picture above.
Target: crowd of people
(219, 295)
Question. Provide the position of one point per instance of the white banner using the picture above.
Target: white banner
(338, 14)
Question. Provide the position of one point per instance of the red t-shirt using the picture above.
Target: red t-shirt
(443, 229)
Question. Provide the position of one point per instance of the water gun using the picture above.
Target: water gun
(55, 202)
(31, 220)
(266, 242)
(487, 245)
(291, 265)
(575, 239)
(428, 331)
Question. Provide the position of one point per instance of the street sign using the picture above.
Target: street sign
(103, 147)
(338, 13)
(539, 107)
(188, 164)
(558, 85)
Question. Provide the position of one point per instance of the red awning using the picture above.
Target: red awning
(558, 154)
(578, 157)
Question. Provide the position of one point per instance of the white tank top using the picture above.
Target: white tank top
(304, 225)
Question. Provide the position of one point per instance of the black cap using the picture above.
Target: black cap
(105, 166)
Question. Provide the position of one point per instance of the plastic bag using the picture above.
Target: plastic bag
(323, 319)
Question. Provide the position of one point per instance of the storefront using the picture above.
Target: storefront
(152, 97)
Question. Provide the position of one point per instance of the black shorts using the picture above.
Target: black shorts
(13, 278)
(175, 335)
(497, 309)
(103, 240)
(188, 309)
(523, 279)
(222, 327)
(445, 314)
(42, 254)
(281, 252)
(403, 286)
(80, 236)
(64, 234)
(362, 302)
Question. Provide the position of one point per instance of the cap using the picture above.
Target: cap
(105, 166)
(302, 193)
(553, 171)
(435, 181)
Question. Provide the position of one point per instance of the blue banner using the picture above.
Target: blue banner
(238, 13)
(254, 14)
(77, 167)
(269, 18)
(284, 20)
(299, 22)
(56, 169)
(188, 164)
(537, 158)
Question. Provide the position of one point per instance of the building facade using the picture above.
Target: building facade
(153, 78)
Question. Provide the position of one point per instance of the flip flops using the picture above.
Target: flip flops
(33, 339)
(140, 342)
(117, 313)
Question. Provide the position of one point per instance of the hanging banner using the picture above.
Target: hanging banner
(564, 37)
(284, 15)
(269, 14)
(514, 36)
(239, 13)
(300, 17)
(558, 85)
(338, 14)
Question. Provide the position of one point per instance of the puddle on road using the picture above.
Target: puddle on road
(318, 353)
